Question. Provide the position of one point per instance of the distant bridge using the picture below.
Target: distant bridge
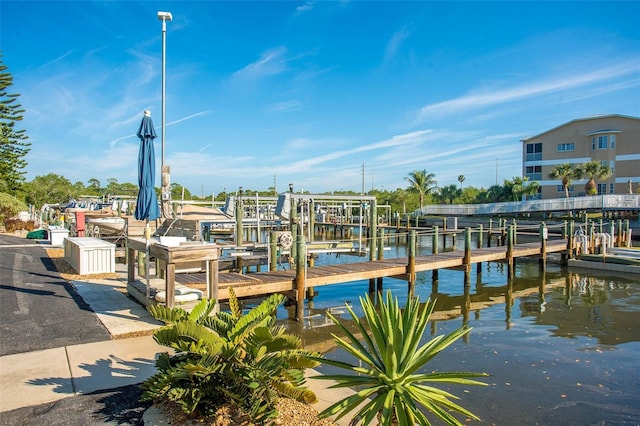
(596, 202)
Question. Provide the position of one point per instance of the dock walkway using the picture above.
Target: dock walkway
(264, 283)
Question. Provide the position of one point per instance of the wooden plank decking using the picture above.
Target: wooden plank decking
(263, 283)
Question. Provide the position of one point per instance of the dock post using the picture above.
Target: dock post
(411, 267)
(510, 265)
(373, 234)
(434, 250)
(467, 257)
(627, 239)
(380, 256)
(239, 216)
(490, 232)
(591, 249)
(570, 240)
(619, 238)
(480, 238)
(213, 277)
(503, 231)
(543, 246)
(273, 251)
(515, 231)
(311, 292)
(300, 274)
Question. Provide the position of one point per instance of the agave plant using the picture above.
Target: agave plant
(228, 357)
(388, 377)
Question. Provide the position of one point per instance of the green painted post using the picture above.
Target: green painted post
(293, 221)
(273, 250)
(619, 233)
(300, 274)
(380, 256)
(510, 234)
(411, 267)
(239, 216)
(480, 243)
(600, 228)
(434, 250)
(570, 240)
(543, 245)
(373, 229)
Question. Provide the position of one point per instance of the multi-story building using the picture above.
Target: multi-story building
(613, 140)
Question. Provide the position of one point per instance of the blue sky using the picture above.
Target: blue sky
(307, 92)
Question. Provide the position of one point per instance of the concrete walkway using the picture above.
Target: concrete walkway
(33, 378)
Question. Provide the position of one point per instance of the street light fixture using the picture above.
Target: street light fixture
(164, 17)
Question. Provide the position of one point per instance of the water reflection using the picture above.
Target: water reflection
(561, 346)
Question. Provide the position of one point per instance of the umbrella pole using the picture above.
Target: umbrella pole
(147, 236)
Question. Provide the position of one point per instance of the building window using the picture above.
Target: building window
(559, 188)
(603, 142)
(612, 139)
(602, 188)
(566, 147)
(534, 152)
(612, 188)
(593, 143)
(534, 172)
(612, 167)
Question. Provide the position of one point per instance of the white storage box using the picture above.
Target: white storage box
(57, 234)
(90, 255)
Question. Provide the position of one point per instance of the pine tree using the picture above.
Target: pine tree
(13, 143)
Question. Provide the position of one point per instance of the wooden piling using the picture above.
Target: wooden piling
(434, 250)
(411, 267)
(467, 256)
(543, 245)
(480, 238)
(380, 256)
(510, 263)
(300, 274)
(273, 251)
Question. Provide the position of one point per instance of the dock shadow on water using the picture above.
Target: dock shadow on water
(561, 346)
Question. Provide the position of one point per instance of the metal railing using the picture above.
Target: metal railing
(597, 202)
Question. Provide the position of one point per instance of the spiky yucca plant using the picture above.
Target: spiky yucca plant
(388, 379)
(228, 357)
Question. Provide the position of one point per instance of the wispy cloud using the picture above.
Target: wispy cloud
(284, 106)
(271, 62)
(307, 7)
(486, 97)
(395, 43)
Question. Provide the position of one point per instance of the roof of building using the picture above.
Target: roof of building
(591, 117)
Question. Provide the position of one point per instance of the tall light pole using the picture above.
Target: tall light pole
(164, 17)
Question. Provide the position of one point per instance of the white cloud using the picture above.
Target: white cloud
(487, 97)
(271, 62)
(394, 43)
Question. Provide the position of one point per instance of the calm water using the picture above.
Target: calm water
(564, 350)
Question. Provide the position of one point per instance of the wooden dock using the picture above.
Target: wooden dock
(264, 283)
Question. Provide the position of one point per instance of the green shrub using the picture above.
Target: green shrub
(10, 206)
(228, 357)
(387, 377)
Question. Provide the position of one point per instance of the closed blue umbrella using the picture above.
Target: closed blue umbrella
(147, 203)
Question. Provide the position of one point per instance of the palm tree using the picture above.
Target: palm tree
(594, 170)
(461, 179)
(449, 193)
(421, 183)
(567, 173)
